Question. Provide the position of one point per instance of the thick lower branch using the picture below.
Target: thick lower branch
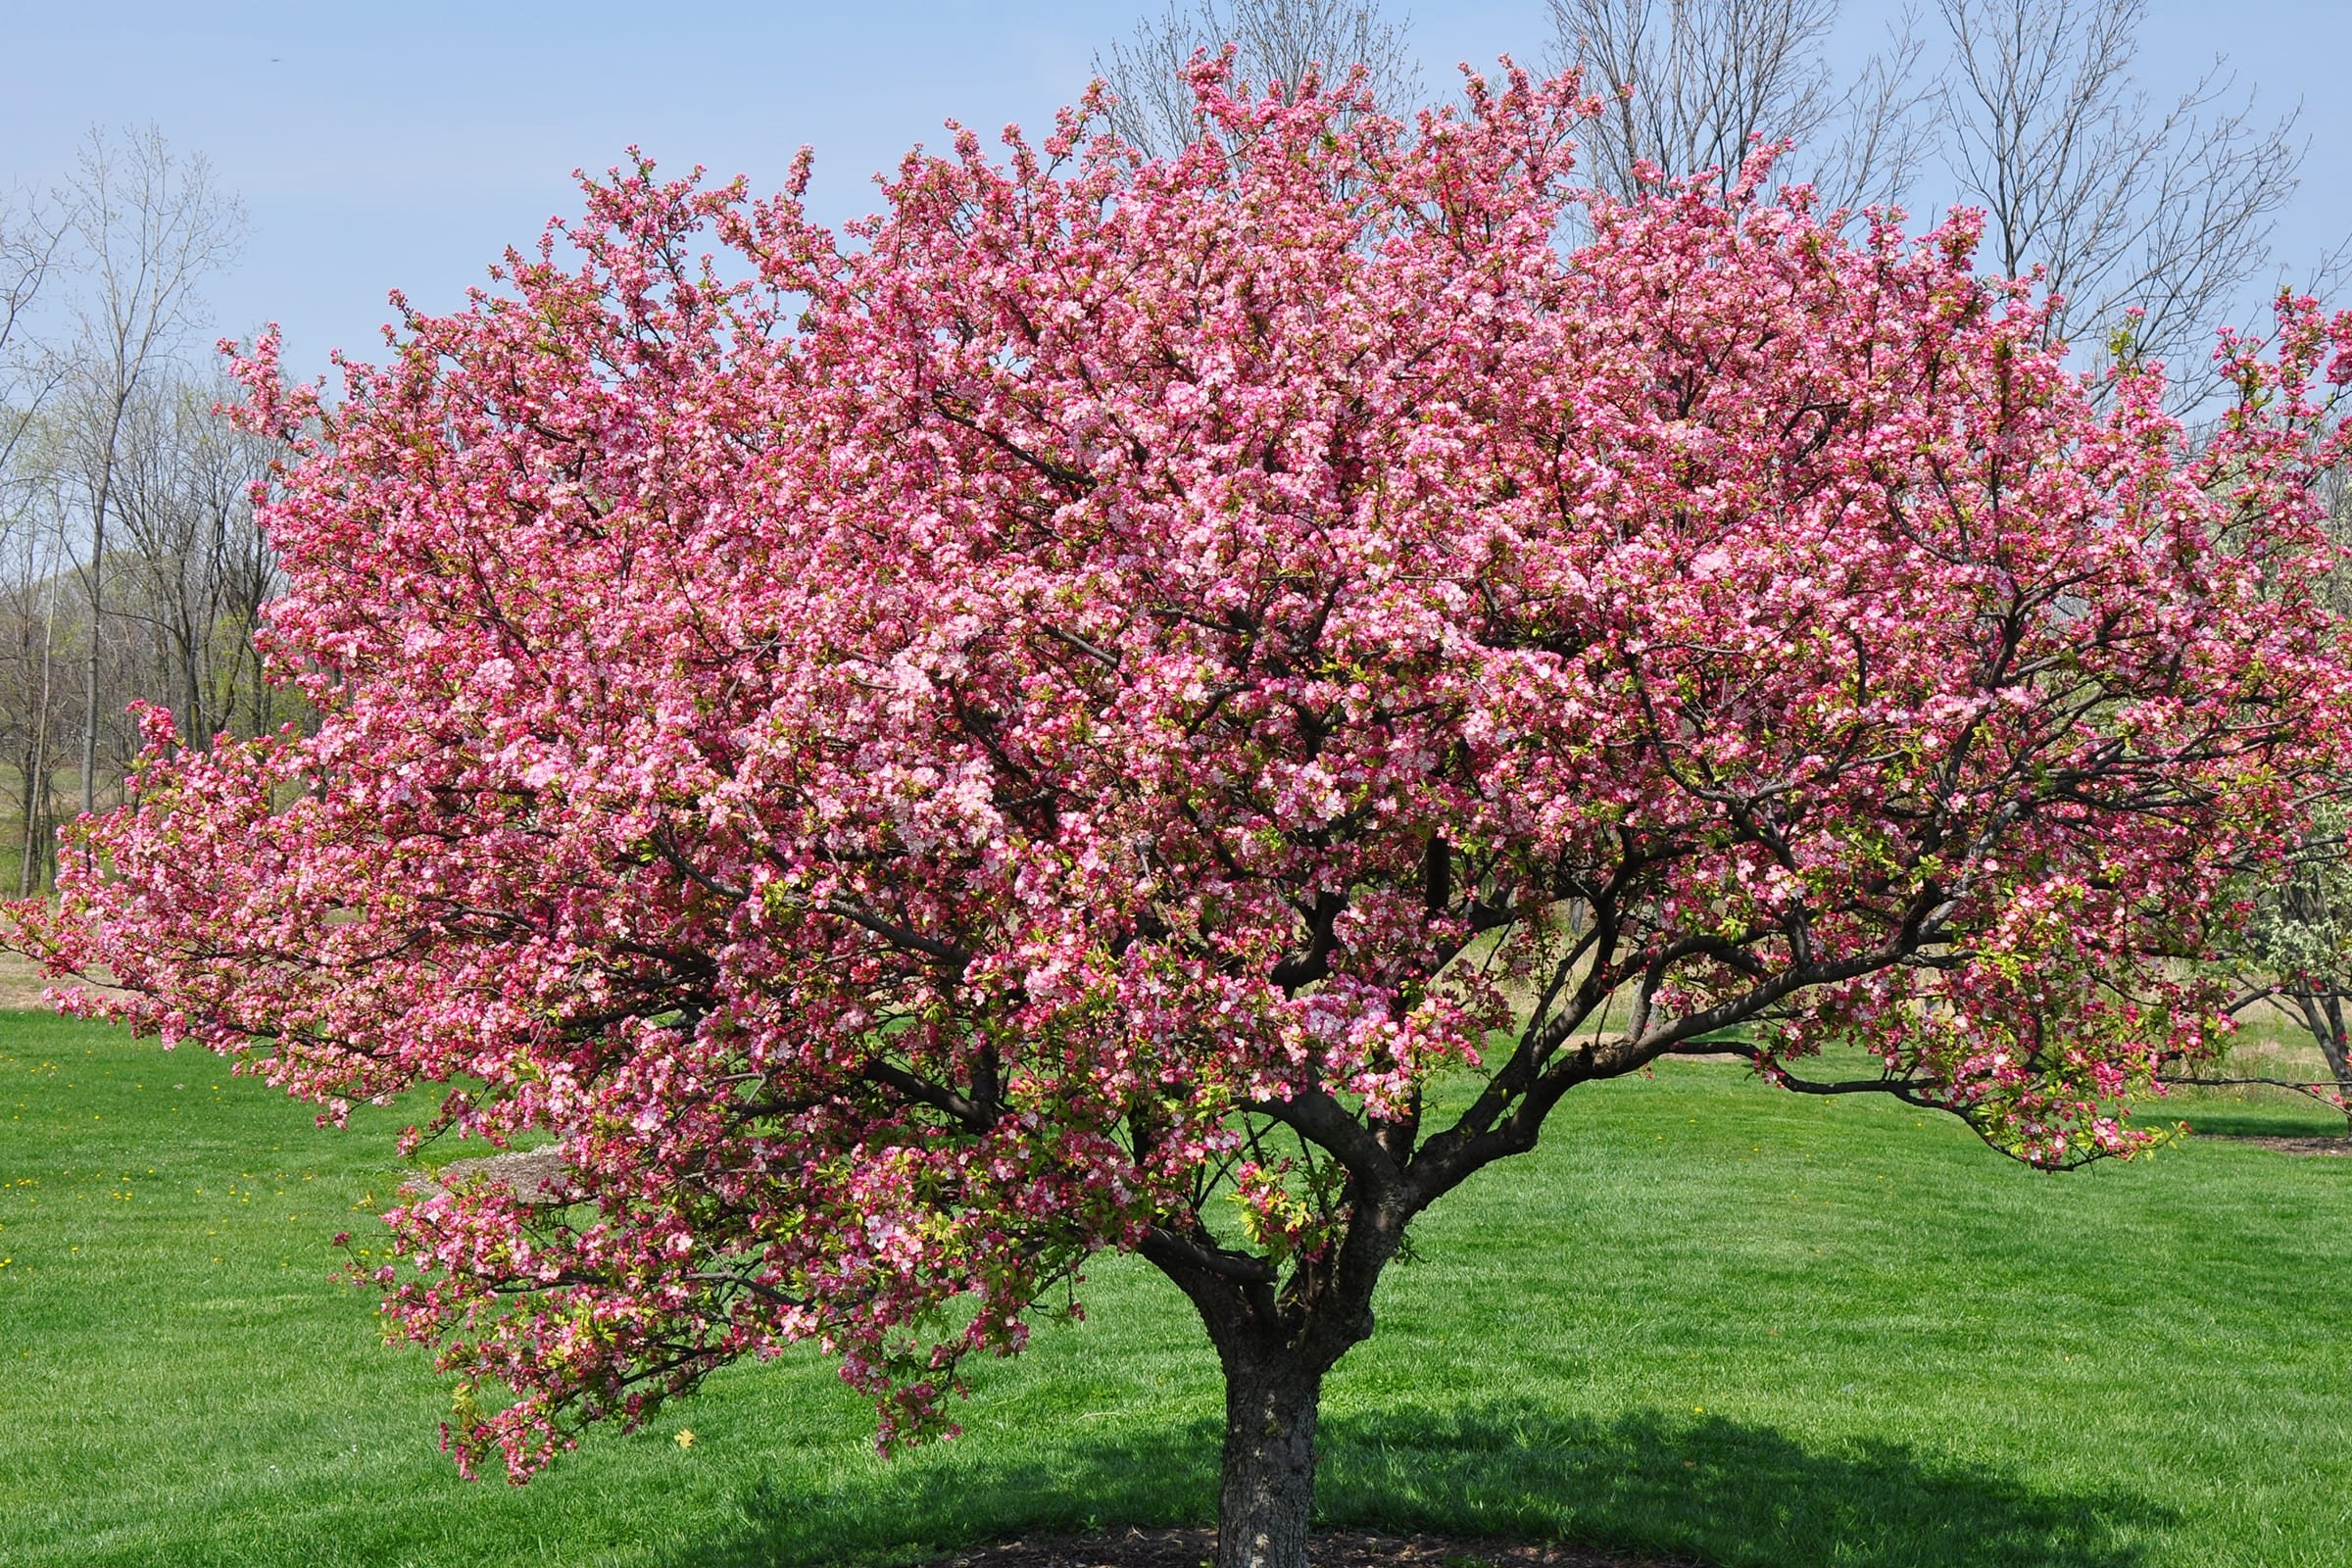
(1902, 1088)
(1314, 1115)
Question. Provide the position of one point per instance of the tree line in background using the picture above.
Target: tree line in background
(130, 567)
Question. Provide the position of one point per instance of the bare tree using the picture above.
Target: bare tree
(29, 372)
(2150, 219)
(1698, 81)
(1276, 43)
(127, 542)
(28, 692)
(195, 570)
(2125, 207)
(150, 224)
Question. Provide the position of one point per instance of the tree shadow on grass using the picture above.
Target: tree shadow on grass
(2307, 1121)
(940, 1500)
(1703, 1487)
(1710, 1489)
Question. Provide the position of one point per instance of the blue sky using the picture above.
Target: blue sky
(407, 146)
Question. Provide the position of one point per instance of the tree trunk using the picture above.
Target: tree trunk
(2321, 1008)
(2336, 1049)
(1276, 1342)
(39, 838)
(1268, 1491)
(28, 866)
(89, 718)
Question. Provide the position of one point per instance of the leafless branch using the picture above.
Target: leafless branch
(1700, 81)
(2124, 206)
(1277, 43)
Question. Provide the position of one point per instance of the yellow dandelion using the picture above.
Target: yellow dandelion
(686, 1438)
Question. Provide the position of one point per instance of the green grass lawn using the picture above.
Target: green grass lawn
(1707, 1317)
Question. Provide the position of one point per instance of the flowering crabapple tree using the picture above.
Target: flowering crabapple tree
(1051, 721)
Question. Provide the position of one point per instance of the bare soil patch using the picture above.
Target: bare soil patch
(1342, 1548)
(22, 984)
(537, 1175)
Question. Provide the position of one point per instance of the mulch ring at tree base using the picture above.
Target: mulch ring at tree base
(2333, 1144)
(1191, 1548)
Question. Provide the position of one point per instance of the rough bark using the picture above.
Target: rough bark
(1267, 1495)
